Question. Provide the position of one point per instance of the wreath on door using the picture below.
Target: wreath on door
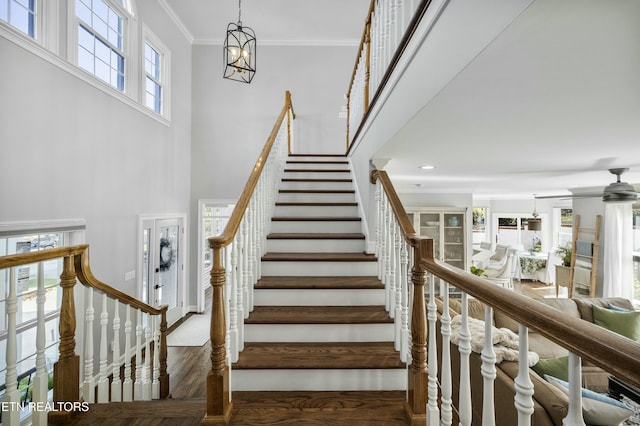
(167, 254)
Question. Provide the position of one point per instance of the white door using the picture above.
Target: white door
(163, 265)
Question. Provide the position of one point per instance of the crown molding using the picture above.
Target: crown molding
(174, 17)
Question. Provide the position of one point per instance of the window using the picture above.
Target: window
(153, 80)
(100, 41)
(20, 14)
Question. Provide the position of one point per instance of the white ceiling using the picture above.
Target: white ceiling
(509, 98)
(298, 22)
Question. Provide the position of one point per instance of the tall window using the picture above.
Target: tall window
(100, 41)
(153, 81)
(20, 14)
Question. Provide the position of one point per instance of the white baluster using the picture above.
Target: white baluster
(127, 384)
(41, 379)
(464, 347)
(137, 384)
(88, 386)
(488, 370)
(252, 252)
(240, 291)
(12, 395)
(103, 381)
(245, 266)
(146, 392)
(394, 27)
(233, 308)
(406, 271)
(398, 283)
(522, 382)
(446, 380)
(574, 415)
(401, 24)
(379, 219)
(392, 264)
(116, 383)
(433, 413)
(155, 388)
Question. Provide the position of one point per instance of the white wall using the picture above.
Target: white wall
(232, 120)
(69, 150)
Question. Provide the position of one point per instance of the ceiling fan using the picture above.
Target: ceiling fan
(615, 192)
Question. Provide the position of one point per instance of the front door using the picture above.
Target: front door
(162, 282)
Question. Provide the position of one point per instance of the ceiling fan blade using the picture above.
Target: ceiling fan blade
(570, 196)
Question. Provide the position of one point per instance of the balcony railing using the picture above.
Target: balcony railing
(402, 252)
(123, 321)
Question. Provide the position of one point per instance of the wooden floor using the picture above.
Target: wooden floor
(188, 368)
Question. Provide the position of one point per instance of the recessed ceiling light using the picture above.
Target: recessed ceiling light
(427, 167)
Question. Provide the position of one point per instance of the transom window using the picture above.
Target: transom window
(153, 80)
(20, 14)
(100, 41)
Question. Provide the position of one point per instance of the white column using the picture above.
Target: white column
(574, 415)
(155, 387)
(12, 396)
(446, 380)
(137, 384)
(147, 359)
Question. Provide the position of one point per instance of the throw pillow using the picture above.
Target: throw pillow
(597, 408)
(624, 323)
(555, 367)
(617, 308)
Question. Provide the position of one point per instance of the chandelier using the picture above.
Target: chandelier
(239, 51)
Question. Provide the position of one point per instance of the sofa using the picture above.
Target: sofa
(550, 402)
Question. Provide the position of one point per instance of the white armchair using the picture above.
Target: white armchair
(499, 258)
(503, 276)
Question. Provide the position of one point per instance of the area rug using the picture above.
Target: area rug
(193, 332)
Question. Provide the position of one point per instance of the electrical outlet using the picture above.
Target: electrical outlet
(129, 275)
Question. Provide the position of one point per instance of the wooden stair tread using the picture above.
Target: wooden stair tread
(316, 180)
(318, 170)
(312, 408)
(316, 219)
(321, 355)
(314, 236)
(317, 162)
(276, 282)
(319, 257)
(315, 204)
(317, 191)
(318, 315)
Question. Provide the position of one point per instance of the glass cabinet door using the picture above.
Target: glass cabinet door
(454, 250)
(430, 228)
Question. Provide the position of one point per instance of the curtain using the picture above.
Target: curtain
(618, 251)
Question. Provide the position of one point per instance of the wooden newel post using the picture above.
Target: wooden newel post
(164, 376)
(418, 374)
(218, 404)
(66, 371)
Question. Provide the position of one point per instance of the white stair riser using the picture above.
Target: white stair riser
(306, 211)
(317, 175)
(328, 197)
(315, 246)
(318, 332)
(318, 380)
(315, 166)
(317, 158)
(314, 185)
(353, 226)
(319, 297)
(319, 269)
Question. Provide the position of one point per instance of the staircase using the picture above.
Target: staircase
(319, 322)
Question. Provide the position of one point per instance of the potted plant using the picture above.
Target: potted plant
(563, 272)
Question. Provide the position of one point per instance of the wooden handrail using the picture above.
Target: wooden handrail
(612, 352)
(400, 213)
(395, 59)
(233, 224)
(363, 38)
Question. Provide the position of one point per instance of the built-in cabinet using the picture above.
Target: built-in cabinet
(447, 228)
